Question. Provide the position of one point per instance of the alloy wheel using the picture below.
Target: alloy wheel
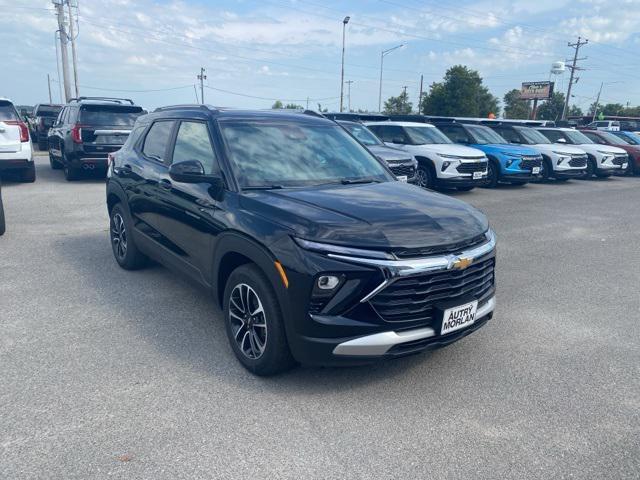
(422, 178)
(248, 321)
(119, 236)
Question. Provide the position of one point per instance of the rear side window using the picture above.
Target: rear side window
(508, 134)
(109, 115)
(193, 143)
(390, 133)
(553, 135)
(595, 138)
(8, 112)
(155, 143)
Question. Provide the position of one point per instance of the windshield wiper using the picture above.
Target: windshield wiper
(351, 181)
(263, 187)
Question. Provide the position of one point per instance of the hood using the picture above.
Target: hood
(389, 154)
(445, 148)
(507, 149)
(375, 216)
(557, 147)
(592, 147)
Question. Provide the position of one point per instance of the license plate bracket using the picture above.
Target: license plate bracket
(458, 317)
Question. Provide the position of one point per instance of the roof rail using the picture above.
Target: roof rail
(185, 105)
(106, 99)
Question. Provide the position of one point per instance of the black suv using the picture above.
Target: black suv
(87, 130)
(44, 116)
(312, 248)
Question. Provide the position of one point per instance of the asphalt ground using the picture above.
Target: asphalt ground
(108, 373)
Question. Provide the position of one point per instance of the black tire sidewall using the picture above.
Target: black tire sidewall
(277, 356)
(429, 181)
(133, 258)
(2, 222)
(492, 174)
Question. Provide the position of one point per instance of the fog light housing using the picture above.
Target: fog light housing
(328, 282)
(509, 163)
(445, 165)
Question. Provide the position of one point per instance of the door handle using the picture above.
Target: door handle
(165, 184)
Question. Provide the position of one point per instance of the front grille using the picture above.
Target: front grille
(619, 159)
(404, 170)
(472, 167)
(527, 163)
(578, 161)
(415, 298)
(456, 247)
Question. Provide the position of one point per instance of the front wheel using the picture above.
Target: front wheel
(424, 177)
(546, 170)
(254, 322)
(591, 167)
(492, 175)
(2, 224)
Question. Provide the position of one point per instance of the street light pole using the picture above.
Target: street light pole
(344, 27)
(382, 54)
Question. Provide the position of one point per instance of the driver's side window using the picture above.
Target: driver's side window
(193, 143)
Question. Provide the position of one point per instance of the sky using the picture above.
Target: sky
(257, 51)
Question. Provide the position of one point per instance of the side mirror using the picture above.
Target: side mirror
(192, 171)
(561, 140)
(399, 140)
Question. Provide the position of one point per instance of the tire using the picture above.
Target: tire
(546, 170)
(70, 173)
(123, 245)
(631, 168)
(55, 164)
(465, 189)
(28, 175)
(591, 167)
(2, 224)
(258, 340)
(492, 175)
(424, 177)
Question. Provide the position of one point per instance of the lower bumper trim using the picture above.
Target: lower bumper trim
(379, 343)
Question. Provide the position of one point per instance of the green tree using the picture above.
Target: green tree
(552, 108)
(277, 104)
(399, 105)
(460, 94)
(575, 111)
(514, 106)
(612, 109)
(293, 106)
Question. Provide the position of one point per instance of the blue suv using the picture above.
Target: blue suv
(507, 162)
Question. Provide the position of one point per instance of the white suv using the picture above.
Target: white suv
(603, 160)
(441, 163)
(559, 162)
(16, 153)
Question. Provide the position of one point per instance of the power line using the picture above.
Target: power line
(270, 98)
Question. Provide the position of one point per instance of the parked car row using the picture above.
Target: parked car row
(16, 154)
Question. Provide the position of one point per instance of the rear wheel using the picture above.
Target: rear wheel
(254, 322)
(123, 245)
(424, 177)
(28, 175)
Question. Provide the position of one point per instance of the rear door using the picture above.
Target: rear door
(105, 128)
(9, 131)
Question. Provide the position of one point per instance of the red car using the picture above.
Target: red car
(607, 138)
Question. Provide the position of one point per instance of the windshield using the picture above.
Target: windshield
(7, 112)
(269, 154)
(111, 116)
(363, 134)
(484, 135)
(577, 138)
(48, 111)
(426, 135)
(613, 139)
(532, 137)
(630, 138)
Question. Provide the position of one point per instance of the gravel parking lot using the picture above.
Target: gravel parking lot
(129, 374)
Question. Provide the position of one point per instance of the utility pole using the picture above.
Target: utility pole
(595, 108)
(202, 77)
(59, 4)
(420, 96)
(74, 57)
(344, 27)
(573, 67)
(349, 82)
(307, 103)
(49, 85)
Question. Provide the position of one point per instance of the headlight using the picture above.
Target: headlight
(454, 157)
(513, 155)
(337, 249)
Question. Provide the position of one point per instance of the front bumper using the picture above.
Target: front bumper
(569, 173)
(371, 328)
(461, 182)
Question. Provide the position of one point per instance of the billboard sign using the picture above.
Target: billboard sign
(536, 90)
